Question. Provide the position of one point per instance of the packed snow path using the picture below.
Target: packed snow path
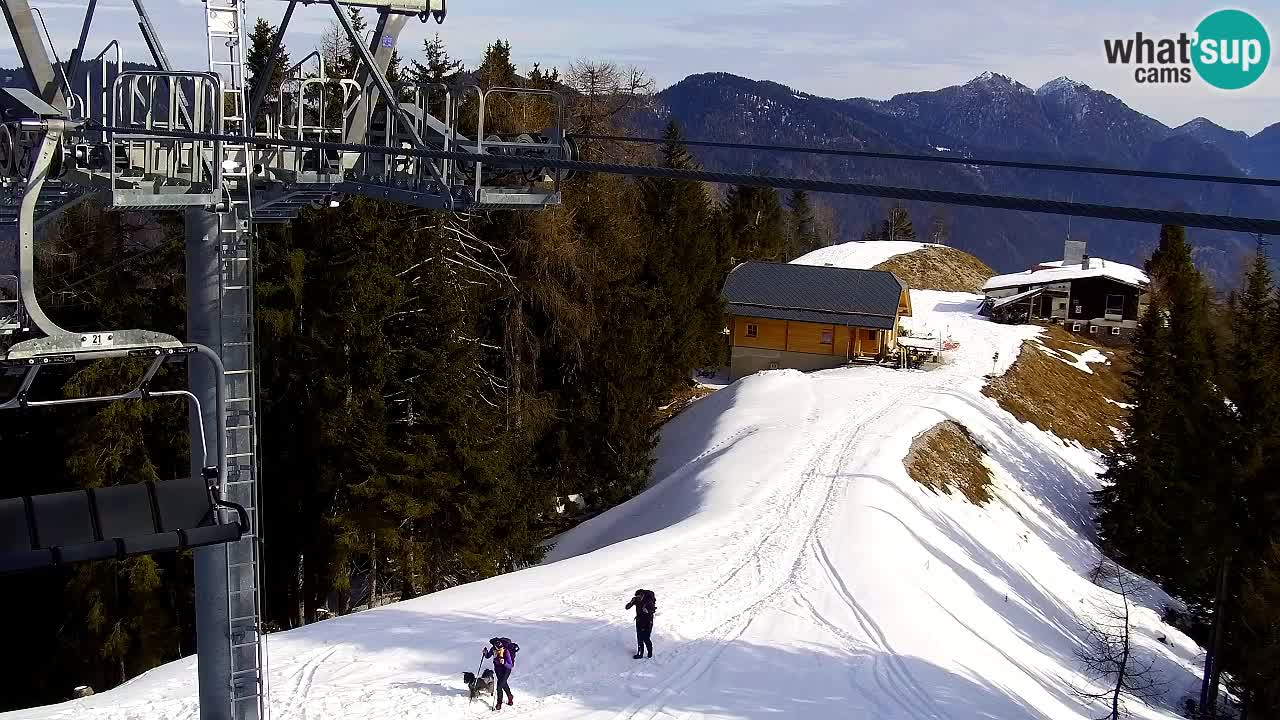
(799, 572)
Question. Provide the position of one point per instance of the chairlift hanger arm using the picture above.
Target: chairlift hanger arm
(384, 87)
(73, 62)
(31, 50)
(421, 8)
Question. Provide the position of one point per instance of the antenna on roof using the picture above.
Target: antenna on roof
(1073, 199)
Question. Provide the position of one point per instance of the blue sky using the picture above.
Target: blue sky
(839, 48)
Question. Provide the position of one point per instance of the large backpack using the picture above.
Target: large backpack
(649, 602)
(511, 647)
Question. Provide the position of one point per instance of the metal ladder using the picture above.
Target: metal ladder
(226, 22)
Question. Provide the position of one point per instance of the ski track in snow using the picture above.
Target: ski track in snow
(799, 574)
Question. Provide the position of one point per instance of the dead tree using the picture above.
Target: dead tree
(1109, 656)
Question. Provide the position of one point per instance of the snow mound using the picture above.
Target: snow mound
(800, 573)
(1079, 361)
(860, 254)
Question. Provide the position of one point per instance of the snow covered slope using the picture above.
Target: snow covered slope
(860, 254)
(799, 572)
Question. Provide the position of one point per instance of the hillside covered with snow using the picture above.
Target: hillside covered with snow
(800, 573)
(859, 254)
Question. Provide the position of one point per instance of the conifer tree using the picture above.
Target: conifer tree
(1171, 448)
(682, 265)
(1258, 668)
(1255, 394)
(437, 65)
(802, 235)
(496, 69)
(754, 224)
(260, 41)
(897, 226)
(1133, 520)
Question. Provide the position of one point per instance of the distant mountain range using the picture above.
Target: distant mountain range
(992, 116)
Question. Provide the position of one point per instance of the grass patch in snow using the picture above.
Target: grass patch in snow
(1056, 386)
(946, 457)
(681, 399)
(939, 268)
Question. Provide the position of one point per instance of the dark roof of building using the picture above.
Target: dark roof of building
(814, 293)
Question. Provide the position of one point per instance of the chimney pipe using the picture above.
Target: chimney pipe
(1072, 252)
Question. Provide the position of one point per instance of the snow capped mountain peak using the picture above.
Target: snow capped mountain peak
(1062, 85)
(1208, 130)
(1200, 123)
(993, 79)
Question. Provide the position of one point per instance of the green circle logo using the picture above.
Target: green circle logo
(1232, 49)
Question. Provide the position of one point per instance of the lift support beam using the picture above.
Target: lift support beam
(35, 58)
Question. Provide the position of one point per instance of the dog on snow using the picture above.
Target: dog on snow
(478, 686)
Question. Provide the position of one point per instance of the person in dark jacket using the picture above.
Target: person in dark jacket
(644, 603)
(503, 652)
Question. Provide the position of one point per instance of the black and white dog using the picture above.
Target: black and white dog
(477, 686)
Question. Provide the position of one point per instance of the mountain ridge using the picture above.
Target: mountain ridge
(992, 115)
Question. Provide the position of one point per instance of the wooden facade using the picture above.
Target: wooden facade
(804, 317)
(844, 341)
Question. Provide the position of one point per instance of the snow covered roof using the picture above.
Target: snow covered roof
(814, 293)
(1056, 272)
(1003, 302)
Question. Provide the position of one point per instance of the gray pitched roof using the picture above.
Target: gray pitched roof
(814, 293)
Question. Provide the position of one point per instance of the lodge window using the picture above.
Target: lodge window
(753, 330)
(1115, 331)
(1093, 329)
(827, 337)
(1075, 327)
(1115, 305)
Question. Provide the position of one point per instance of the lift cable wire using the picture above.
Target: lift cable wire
(951, 159)
(1000, 202)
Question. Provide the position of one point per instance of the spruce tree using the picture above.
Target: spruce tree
(1134, 520)
(496, 69)
(1255, 394)
(896, 226)
(802, 235)
(260, 41)
(754, 223)
(1172, 449)
(437, 65)
(682, 266)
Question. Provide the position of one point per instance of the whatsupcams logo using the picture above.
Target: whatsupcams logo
(1229, 50)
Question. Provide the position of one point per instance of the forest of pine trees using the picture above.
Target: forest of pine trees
(1193, 500)
(429, 384)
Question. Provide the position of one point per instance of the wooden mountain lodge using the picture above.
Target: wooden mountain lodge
(808, 317)
(1085, 295)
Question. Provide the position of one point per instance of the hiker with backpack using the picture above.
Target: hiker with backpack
(503, 652)
(646, 605)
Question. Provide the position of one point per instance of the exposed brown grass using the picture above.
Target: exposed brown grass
(1041, 388)
(946, 457)
(681, 399)
(939, 268)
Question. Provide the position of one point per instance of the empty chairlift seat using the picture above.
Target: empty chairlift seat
(114, 522)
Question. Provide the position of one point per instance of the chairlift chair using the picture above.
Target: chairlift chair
(101, 523)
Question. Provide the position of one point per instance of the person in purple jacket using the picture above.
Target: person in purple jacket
(503, 652)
